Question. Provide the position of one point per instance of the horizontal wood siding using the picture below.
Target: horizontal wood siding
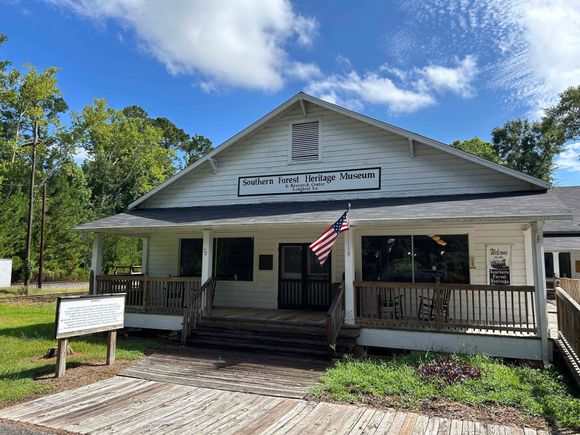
(345, 143)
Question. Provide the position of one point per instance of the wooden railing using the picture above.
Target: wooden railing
(447, 307)
(569, 328)
(160, 295)
(570, 286)
(335, 314)
(198, 307)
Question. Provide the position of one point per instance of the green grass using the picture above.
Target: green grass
(10, 292)
(537, 392)
(27, 332)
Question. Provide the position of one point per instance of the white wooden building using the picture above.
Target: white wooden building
(444, 251)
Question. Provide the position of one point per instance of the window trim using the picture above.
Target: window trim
(320, 140)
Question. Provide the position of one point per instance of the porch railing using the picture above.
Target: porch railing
(198, 307)
(160, 295)
(570, 286)
(569, 326)
(446, 307)
(335, 314)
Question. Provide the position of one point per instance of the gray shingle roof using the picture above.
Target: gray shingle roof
(570, 197)
(561, 243)
(475, 208)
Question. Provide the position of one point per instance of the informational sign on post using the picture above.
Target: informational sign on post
(83, 315)
(498, 264)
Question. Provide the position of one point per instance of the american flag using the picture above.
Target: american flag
(323, 245)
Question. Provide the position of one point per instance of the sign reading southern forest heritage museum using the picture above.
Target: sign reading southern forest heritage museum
(311, 182)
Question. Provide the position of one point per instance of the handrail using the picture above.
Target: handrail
(335, 315)
(569, 329)
(198, 307)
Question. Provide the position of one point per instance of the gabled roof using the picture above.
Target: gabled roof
(301, 97)
(491, 207)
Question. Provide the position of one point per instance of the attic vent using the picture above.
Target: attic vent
(305, 141)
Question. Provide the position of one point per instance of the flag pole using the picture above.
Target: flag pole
(347, 237)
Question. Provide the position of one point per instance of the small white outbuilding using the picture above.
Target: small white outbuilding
(5, 272)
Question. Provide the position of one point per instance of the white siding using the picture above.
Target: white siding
(345, 144)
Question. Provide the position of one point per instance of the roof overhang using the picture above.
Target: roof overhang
(514, 207)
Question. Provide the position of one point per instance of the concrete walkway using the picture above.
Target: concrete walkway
(123, 405)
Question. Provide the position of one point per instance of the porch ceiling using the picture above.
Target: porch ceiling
(522, 206)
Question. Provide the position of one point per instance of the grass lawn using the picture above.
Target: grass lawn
(10, 292)
(27, 332)
(400, 382)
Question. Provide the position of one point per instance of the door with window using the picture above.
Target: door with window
(303, 283)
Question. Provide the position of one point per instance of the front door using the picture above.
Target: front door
(303, 283)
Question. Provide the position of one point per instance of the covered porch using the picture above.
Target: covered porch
(441, 299)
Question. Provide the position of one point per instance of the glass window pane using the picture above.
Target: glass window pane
(446, 256)
(565, 265)
(549, 264)
(234, 259)
(386, 258)
(314, 267)
(291, 262)
(190, 257)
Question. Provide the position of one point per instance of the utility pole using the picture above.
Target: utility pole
(27, 266)
(41, 256)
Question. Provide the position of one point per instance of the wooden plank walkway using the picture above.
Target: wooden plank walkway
(245, 372)
(123, 405)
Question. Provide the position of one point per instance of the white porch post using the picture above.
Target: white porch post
(145, 256)
(556, 257)
(349, 276)
(540, 284)
(207, 258)
(528, 250)
(97, 259)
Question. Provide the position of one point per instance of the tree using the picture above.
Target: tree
(479, 148)
(195, 149)
(563, 119)
(526, 147)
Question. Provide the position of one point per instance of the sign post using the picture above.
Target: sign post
(83, 315)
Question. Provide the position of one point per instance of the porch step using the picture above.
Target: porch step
(272, 337)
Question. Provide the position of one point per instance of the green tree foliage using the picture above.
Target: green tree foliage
(564, 117)
(527, 147)
(479, 148)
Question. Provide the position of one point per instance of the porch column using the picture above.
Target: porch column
(556, 257)
(349, 276)
(540, 284)
(528, 250)
(145, 256)
(97, 259)
(207, 258)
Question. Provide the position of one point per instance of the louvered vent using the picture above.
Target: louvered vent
(305, 141)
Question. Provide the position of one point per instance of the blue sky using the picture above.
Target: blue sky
(448, 69)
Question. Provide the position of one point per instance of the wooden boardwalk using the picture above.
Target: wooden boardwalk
(270, 375)
(123, 405)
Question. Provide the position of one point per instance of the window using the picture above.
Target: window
(190, 257)
(234, 259)
(305, 142)
(416, 258)
(565, 265)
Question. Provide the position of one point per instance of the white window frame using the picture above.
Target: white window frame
(320, 140)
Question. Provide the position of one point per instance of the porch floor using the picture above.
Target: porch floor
(298, 317)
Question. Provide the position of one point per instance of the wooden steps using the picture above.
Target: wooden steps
(270, 337)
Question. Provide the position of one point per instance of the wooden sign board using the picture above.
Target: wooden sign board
(82, 315)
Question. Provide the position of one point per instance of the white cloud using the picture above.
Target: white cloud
(233, 43)
(529, 48)
(457, 80)
(400, 91)
(569, 159)
(303, 71)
